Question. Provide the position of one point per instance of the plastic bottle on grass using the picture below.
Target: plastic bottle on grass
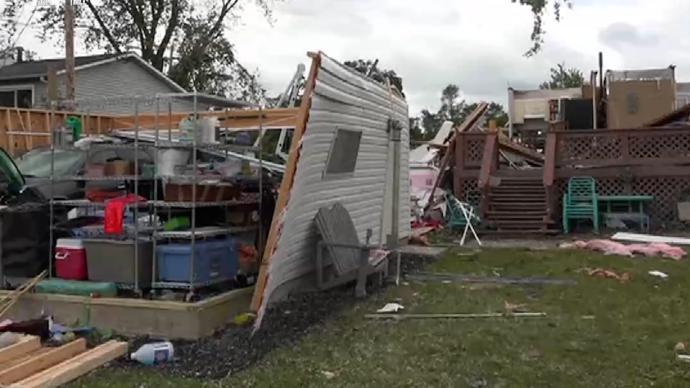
(154, 353)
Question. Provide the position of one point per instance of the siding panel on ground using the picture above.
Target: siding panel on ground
(342, 99)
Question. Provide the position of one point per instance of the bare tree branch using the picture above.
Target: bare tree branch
(104, 27)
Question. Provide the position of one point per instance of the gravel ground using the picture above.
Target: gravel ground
(234, 348)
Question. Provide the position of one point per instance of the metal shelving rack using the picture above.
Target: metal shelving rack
(156, 234)
(196, 233)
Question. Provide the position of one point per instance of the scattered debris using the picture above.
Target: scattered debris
(244, 319)
(609, 247)
(10, 299)
(420, 240)
(154, 353)
(460, 278)
(658, 274)
(647, 238)
(453, 316)
(604, 273)
(391, 308)
(588, 317)
(514, 308)
(680, 347)
(327, 374)
(683, 357)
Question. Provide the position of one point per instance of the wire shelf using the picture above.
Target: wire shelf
(205, 232)
(190, 286)
(89, 204)
(189, 205)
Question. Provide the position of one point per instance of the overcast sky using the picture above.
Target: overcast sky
(476, 44)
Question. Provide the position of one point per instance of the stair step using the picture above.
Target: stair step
(517, 198)
(518, 223)
(511, 190)
(516, 214)
(520, 232)
(515, 207)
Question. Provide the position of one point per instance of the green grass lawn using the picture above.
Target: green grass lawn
(599, 333)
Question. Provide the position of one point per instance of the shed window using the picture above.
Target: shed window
(343, 156)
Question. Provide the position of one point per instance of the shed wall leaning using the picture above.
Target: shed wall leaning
(342, 99)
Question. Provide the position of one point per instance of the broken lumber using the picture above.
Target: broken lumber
(24, 346)
(453, 316)
(469, 122)
(14, 296)
(75, 367)
(42, 361)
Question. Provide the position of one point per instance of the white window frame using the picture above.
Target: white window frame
(338, 175)
(15, 88)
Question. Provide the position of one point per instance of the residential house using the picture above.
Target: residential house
(104, 83)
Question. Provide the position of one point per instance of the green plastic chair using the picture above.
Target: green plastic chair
(454, 216)
(580, 202)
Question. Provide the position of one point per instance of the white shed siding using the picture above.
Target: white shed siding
(346, 100)
(116, 79)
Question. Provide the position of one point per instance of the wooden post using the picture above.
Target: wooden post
(549, 174)
(458, 179)
(30, 138)
(10, 137)
(69, 54)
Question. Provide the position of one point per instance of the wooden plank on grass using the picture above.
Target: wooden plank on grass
(25, 345)
(42, 361)
(74, 367)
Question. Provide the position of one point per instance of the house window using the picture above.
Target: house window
(17, 96)
(343, 156)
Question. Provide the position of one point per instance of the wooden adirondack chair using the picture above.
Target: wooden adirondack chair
(580, 202)
(346, 258)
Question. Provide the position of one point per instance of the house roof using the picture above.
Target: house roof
(37, 69)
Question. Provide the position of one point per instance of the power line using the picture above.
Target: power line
(21, 32)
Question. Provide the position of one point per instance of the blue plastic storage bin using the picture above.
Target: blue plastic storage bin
(214, 260)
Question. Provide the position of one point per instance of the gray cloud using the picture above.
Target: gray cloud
(619, 34)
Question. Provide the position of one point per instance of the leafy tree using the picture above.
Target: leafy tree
(562, 78)
(204, 56)
(370, 69)
(456, 110)
(538, 8)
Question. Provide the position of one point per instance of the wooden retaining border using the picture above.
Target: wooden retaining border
(138, 317)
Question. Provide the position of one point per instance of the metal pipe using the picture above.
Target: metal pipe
(261, 182)
(194, 186)
(52, 188)
(136, 194)
(593, 81)
(155, 192)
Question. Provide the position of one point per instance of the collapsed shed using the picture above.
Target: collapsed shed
(342, 151)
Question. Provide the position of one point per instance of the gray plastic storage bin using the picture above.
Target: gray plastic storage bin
(113, 261)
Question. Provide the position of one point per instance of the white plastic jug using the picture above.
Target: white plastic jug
(154, 353)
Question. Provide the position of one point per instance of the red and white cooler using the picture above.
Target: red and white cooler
(70, 259)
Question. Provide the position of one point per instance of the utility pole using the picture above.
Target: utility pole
(69, 54)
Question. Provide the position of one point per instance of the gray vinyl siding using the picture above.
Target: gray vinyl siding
(122, 78)
(342, 99)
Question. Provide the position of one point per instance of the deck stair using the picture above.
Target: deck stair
(518, 205)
